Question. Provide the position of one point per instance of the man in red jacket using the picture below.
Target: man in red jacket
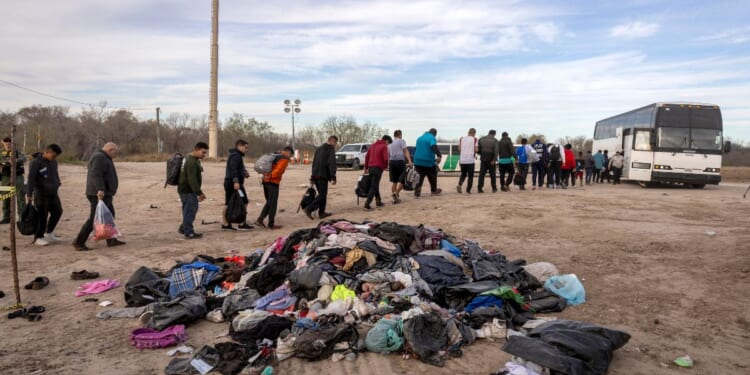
(568, 166)
(375, 163)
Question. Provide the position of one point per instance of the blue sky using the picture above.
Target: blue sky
(519, 66)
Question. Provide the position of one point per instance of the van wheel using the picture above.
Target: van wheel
(699, 186)
(644, 184)
(355, 164)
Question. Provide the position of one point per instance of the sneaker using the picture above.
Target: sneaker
(260, 223)
(181, 231)
(480, 191)
(228, 227)
(379, 204)
(193, 236)
(41, 242)
(368, 208)
(437, 192)
(494, 191)
(5, 221)
(468, 191)
(51, 238)
(245, 226)
(81, 247)
(325, 215)
(458, 189)
(115, 242)
(493, 331)
(274, 226)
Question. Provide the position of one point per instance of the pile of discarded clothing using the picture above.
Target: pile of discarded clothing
(342, 288)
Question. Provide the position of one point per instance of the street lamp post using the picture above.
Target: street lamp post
(293, 108)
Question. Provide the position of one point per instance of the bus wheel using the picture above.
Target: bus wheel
(699, 186)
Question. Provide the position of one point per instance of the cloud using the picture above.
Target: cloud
(634, 30)
(730, 36)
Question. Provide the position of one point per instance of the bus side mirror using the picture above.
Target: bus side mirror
(727, 147)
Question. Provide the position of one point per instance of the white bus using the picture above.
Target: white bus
(666, 142)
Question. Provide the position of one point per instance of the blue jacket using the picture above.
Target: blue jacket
(521, 155)
(424, 155)
(598, 160)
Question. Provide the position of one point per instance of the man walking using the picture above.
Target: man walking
(487, 148)
(588, 165)
(20, 193)
(538, 169)
(605, 169)
(234, 180)
(101, 185)
(522, 154)
(190, 191)
(425, 163)
(467, 149)
(398, 159)
(323, 171)
(615, 164)
(598, 165)
(44, 182)
(568, 166)
(554, 169)
(271, 182)
(376, 161)
(506, 154)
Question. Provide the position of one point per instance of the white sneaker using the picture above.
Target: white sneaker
(41, 242)
(51, 238)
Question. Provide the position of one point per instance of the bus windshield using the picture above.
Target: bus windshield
(689, 128)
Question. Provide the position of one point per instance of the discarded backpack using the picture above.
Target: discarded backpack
(29, 220)
(265, 163)
(363, 187)
(236, 209)
(307, 199)
(174, 165)
(104, 223)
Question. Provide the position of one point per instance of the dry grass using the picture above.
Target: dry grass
(735, 174)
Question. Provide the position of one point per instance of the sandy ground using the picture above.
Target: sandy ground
(648, 266)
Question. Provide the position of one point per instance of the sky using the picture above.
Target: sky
(550, 67)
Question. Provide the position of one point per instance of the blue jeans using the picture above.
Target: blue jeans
(189, 210)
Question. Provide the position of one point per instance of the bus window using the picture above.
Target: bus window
(674, 137)
(706, 139)
(642, 140)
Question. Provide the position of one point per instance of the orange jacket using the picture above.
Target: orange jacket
(278, 169)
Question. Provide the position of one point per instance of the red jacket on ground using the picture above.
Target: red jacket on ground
(377, 155)
(570, 160)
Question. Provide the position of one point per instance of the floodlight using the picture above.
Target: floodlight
(297, 101)
(287, 109)
(296, 109)
(287, 102)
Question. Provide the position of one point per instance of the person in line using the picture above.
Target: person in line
(467, 149)
(506, 155)
(568, 166)
(538, 169)
(605, 169)
(598, 165)
(487, 148)
(588, 166)
(522, 155)
(44, 183)
(615, 164)
(271, 182)
(579, 169)
(5, 155)
(190, 191)
(323, 172)
(398, 159)
(101, 185)
(425, 162)
(376, 161)
(554, 169)
(234, 180)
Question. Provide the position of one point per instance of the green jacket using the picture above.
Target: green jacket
(190, 176)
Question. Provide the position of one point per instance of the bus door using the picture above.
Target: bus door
(639, 155)
(624, 143)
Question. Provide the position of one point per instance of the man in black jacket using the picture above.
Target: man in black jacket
(101, 184)
(487, 149)
(44, 182)
(506, 155)
(323, 171)
(234, 180)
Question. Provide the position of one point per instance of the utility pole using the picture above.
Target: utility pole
(13, 177)
(213, 149)
(158, 137)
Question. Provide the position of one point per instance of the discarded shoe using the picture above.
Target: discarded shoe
(38, 283)
(83, 275)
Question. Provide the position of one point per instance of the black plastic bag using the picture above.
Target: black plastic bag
(236, 209)
(427, 335)
(29, 220)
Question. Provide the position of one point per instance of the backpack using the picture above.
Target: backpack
(410, 178)
(554, 154)
(265, 163)
(236, 209)
(174, 166)
(308, 198)
(29, 220)
(518, 180)
(531, 155)
(363, 187)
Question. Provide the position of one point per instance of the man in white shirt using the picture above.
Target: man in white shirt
(398, 159)
(467, 149)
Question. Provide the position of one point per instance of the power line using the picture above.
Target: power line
(73, 100)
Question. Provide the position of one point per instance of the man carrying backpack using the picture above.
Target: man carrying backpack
(5, 155)
(398, 159)
(524, 153)
(323, 171)
(234, 180)
(487, 149)
(506, 154)
(376, 161)
(101, 185)
(271, 183)
(44, 183)
(554, 169)
(190, 190)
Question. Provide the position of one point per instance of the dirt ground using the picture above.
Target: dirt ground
(644, 255)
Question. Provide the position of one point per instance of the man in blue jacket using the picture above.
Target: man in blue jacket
(425, 162)
(598, 165)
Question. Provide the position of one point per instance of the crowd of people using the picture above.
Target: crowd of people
(553, 161)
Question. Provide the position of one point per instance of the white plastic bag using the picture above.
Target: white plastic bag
(104, 223)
